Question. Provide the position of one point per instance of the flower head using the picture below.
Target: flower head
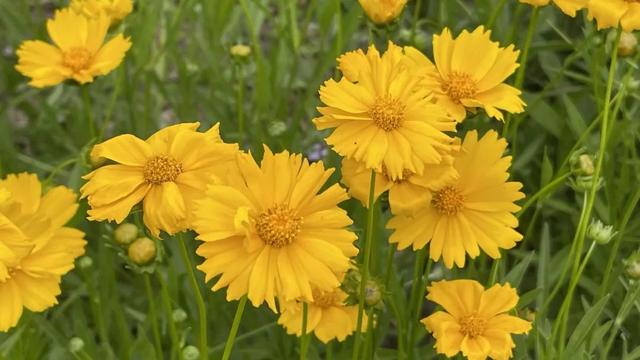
(167, 173)
(381, 116)
(474, 320)
(115, 10)
(569, 7)
(270, 232)
(461, 81)
(611, 13)
(41, 248)
(328, 316)
(470, 213)
(79, 54)
(381, 12)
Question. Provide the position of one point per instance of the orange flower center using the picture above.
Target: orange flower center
(387, 113)
(325, 299)
(472, 326)
(161, 169)
(77, 58)
(278, 226)
(459, 85)
(448, 201)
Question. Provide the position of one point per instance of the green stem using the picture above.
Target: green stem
(390, 256)
(153, 315)
(86, 99)
(560, 179)
(96, 306)
(365, 267)
(414, 323)
(494, 15)
(240, 100)
(234, 328)
(414, 25)
(166, 301)
(202, 310)
(304, 337)
(633, 291)
(329, 351)
(417, 283)
(494, 272)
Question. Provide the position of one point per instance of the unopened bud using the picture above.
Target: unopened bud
(277, 128)
(582, 164)
(240, 51)
(372, 293)
(76, 344)
(85, 262)
(600, 233)
(351, 282)
(125, 233)
(190, 352)
(179, 315)
(142, 251)
(628, 44)
(632, 266)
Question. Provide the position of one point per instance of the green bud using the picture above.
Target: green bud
(351, 282)
(125, 233)
(628, 44)
(142, 251)
(372, 293)
(277, 128)
(632, 266)
(85, 262)
(582, 163)
(76, 344)
(190, 352)
(179, 315)
(600, 233)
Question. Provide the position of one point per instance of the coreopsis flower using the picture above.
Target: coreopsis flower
(269, 231)
(328, 316)
(472, 212)
(461, 81)
(569, 7)
(167, 173)
(405, 194)
(611, 13)
(115, 10)
(43, 248)
(80, 52)
(475, 321)
(381, 12)
(381, 116)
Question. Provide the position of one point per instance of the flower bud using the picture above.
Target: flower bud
(190, 352)
(584, 183)
(351, 282)
(179, 315)
(632, 266)
(125, 233)
(628, 44)
(85, 262)
(582, 163)
(75, 345)
(240, 51)
(382, 12)
(372, 293)
(600, 233)
(277, 128)
(142, 251)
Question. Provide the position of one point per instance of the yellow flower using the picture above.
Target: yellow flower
(79, 53)
(461, 81)
(568, 7)
(610, 13)
(167, 172)
(115, 10)
(381, 12)
(381, 116)
(405, 195)
(475, 210)
(43, 249)
(475, 320)
(327, 316)
(270, 233)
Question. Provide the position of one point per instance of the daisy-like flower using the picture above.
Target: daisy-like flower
(269, 232)
(406, 194)
(462, 81)
(167, 173)
(470, 213)
(79, 52)
(475, 321)
(115, 10)
(381, 116)
(328, 316)
(610, 13)
(569, 7)
(43, 248)
(381, 12)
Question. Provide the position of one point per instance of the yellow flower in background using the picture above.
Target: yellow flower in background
(80, 52)
(167, 173)
(474, 321)
(470, 213)
(405, 195)
(611, 13)
(269, 231)
(115, 10)
(328, 317)
(462, 80)
(44, 249)
(381, 116)
(381, 12)
(569, 7)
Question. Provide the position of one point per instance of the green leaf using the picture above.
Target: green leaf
(582, 331)
(514, 277)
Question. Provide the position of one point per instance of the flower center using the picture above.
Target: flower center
(278, 226)
(387, 113)
(448, 201)
(77, 58)
(459, 86)
(161, 169)
(325, 299)
(472, 326)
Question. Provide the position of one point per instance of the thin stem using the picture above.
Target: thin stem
(234, 328)
(633, 291)
(329, 351)
(494, 272)
(304, 337)
(389, 269)
(153, 315)
(419, 301)
(166, 301)
(86, 100)
(413, 298)
(202, 310)
(494, 15)
(240, 100)
(544, 191)
(96, 306)
(365, 267)
(416, 16)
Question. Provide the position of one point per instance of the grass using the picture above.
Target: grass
(180, 69)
